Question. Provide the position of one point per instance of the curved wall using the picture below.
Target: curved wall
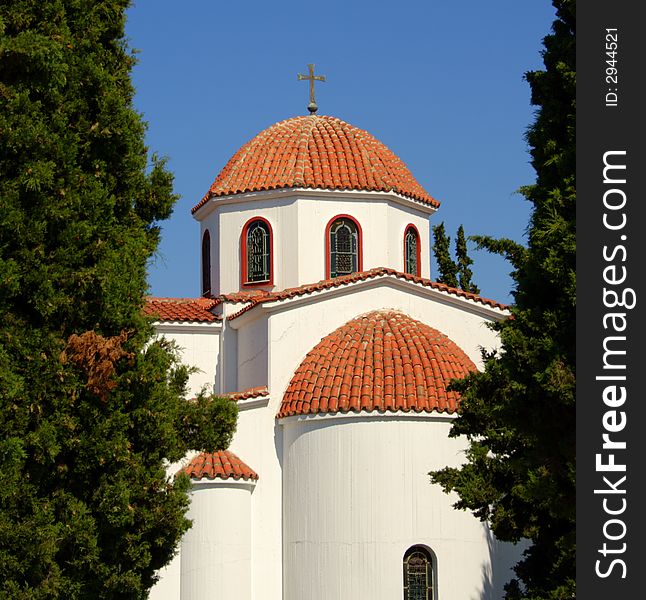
(357, 495)
(298, 222)
(216, 551)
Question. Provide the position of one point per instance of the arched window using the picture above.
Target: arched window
(418, 574)
(343, 241)
(206, 264)
(411, 251)
(256, 252)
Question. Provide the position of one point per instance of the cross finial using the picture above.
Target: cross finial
(312, 107)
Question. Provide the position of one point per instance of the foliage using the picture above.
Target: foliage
(454, 273)
(463, 263)
(91, 409)
(519, 414)
(448, 270)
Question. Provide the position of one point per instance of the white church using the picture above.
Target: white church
(319, 319)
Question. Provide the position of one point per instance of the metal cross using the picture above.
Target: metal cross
(312, 107)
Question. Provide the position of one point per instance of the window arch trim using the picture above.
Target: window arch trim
(431, 571)
(243, 254)
(328, 229)
(411, 227)
(207, 284)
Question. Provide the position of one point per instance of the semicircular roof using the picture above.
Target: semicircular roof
(318, 152)
(221, 464)
(382, 361)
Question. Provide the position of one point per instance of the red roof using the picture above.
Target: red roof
(221, 465)
(242, 296)
(315, 152)
(200, 309)
(382, 361)
(255, 392)
(326, 284)
(182, 309)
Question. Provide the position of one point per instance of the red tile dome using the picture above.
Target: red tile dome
(222, 464)
(382, 361)
(316, 152)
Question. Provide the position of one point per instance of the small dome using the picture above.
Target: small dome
(382, 361)
(222, 464)
(316, 152)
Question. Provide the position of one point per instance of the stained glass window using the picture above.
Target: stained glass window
(418, 574)
(206, 264)
(411, 249)
(258, 252)
(344, 247)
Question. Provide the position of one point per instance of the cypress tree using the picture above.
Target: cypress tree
(91, 406)
(448, 270)
(519, 414)
(463, 261)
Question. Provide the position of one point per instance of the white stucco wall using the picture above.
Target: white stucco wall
(398, 220)
(298, 219)
(169, 582)
(225, 225)
(258, 442)
(216, 555)
(382, 224)
(356, 496)
(252, 354)
(199, 344)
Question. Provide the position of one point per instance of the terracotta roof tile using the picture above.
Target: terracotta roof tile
(255, 392)
(219, 465)
(182, 309)
(243, 296)
(382, 361)
(326, 284)
(317, 152)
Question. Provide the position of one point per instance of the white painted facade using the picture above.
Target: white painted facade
(199, 345)
(216, 553)
(340, 498)
(356, 496)
(298, 218)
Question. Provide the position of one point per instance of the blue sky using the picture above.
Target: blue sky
(440, 83)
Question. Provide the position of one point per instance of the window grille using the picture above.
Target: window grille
(411, 244)
(258, 252)
(418, 574)
(206, 264)
(344, 246)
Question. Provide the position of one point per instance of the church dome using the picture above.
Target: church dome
(317, 152)
(382, 361)
(221, 464)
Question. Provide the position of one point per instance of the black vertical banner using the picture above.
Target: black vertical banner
(611, 300)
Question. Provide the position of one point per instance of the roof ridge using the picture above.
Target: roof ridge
(325, 284)
(181, 299)
(303, 152)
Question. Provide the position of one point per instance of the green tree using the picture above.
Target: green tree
(90, 406)
(454, 273)
(519, 414)
(448, 270)
(463, 262)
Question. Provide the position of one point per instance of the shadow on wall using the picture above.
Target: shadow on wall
(278, 444)
(503, 557)
(217, 378)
